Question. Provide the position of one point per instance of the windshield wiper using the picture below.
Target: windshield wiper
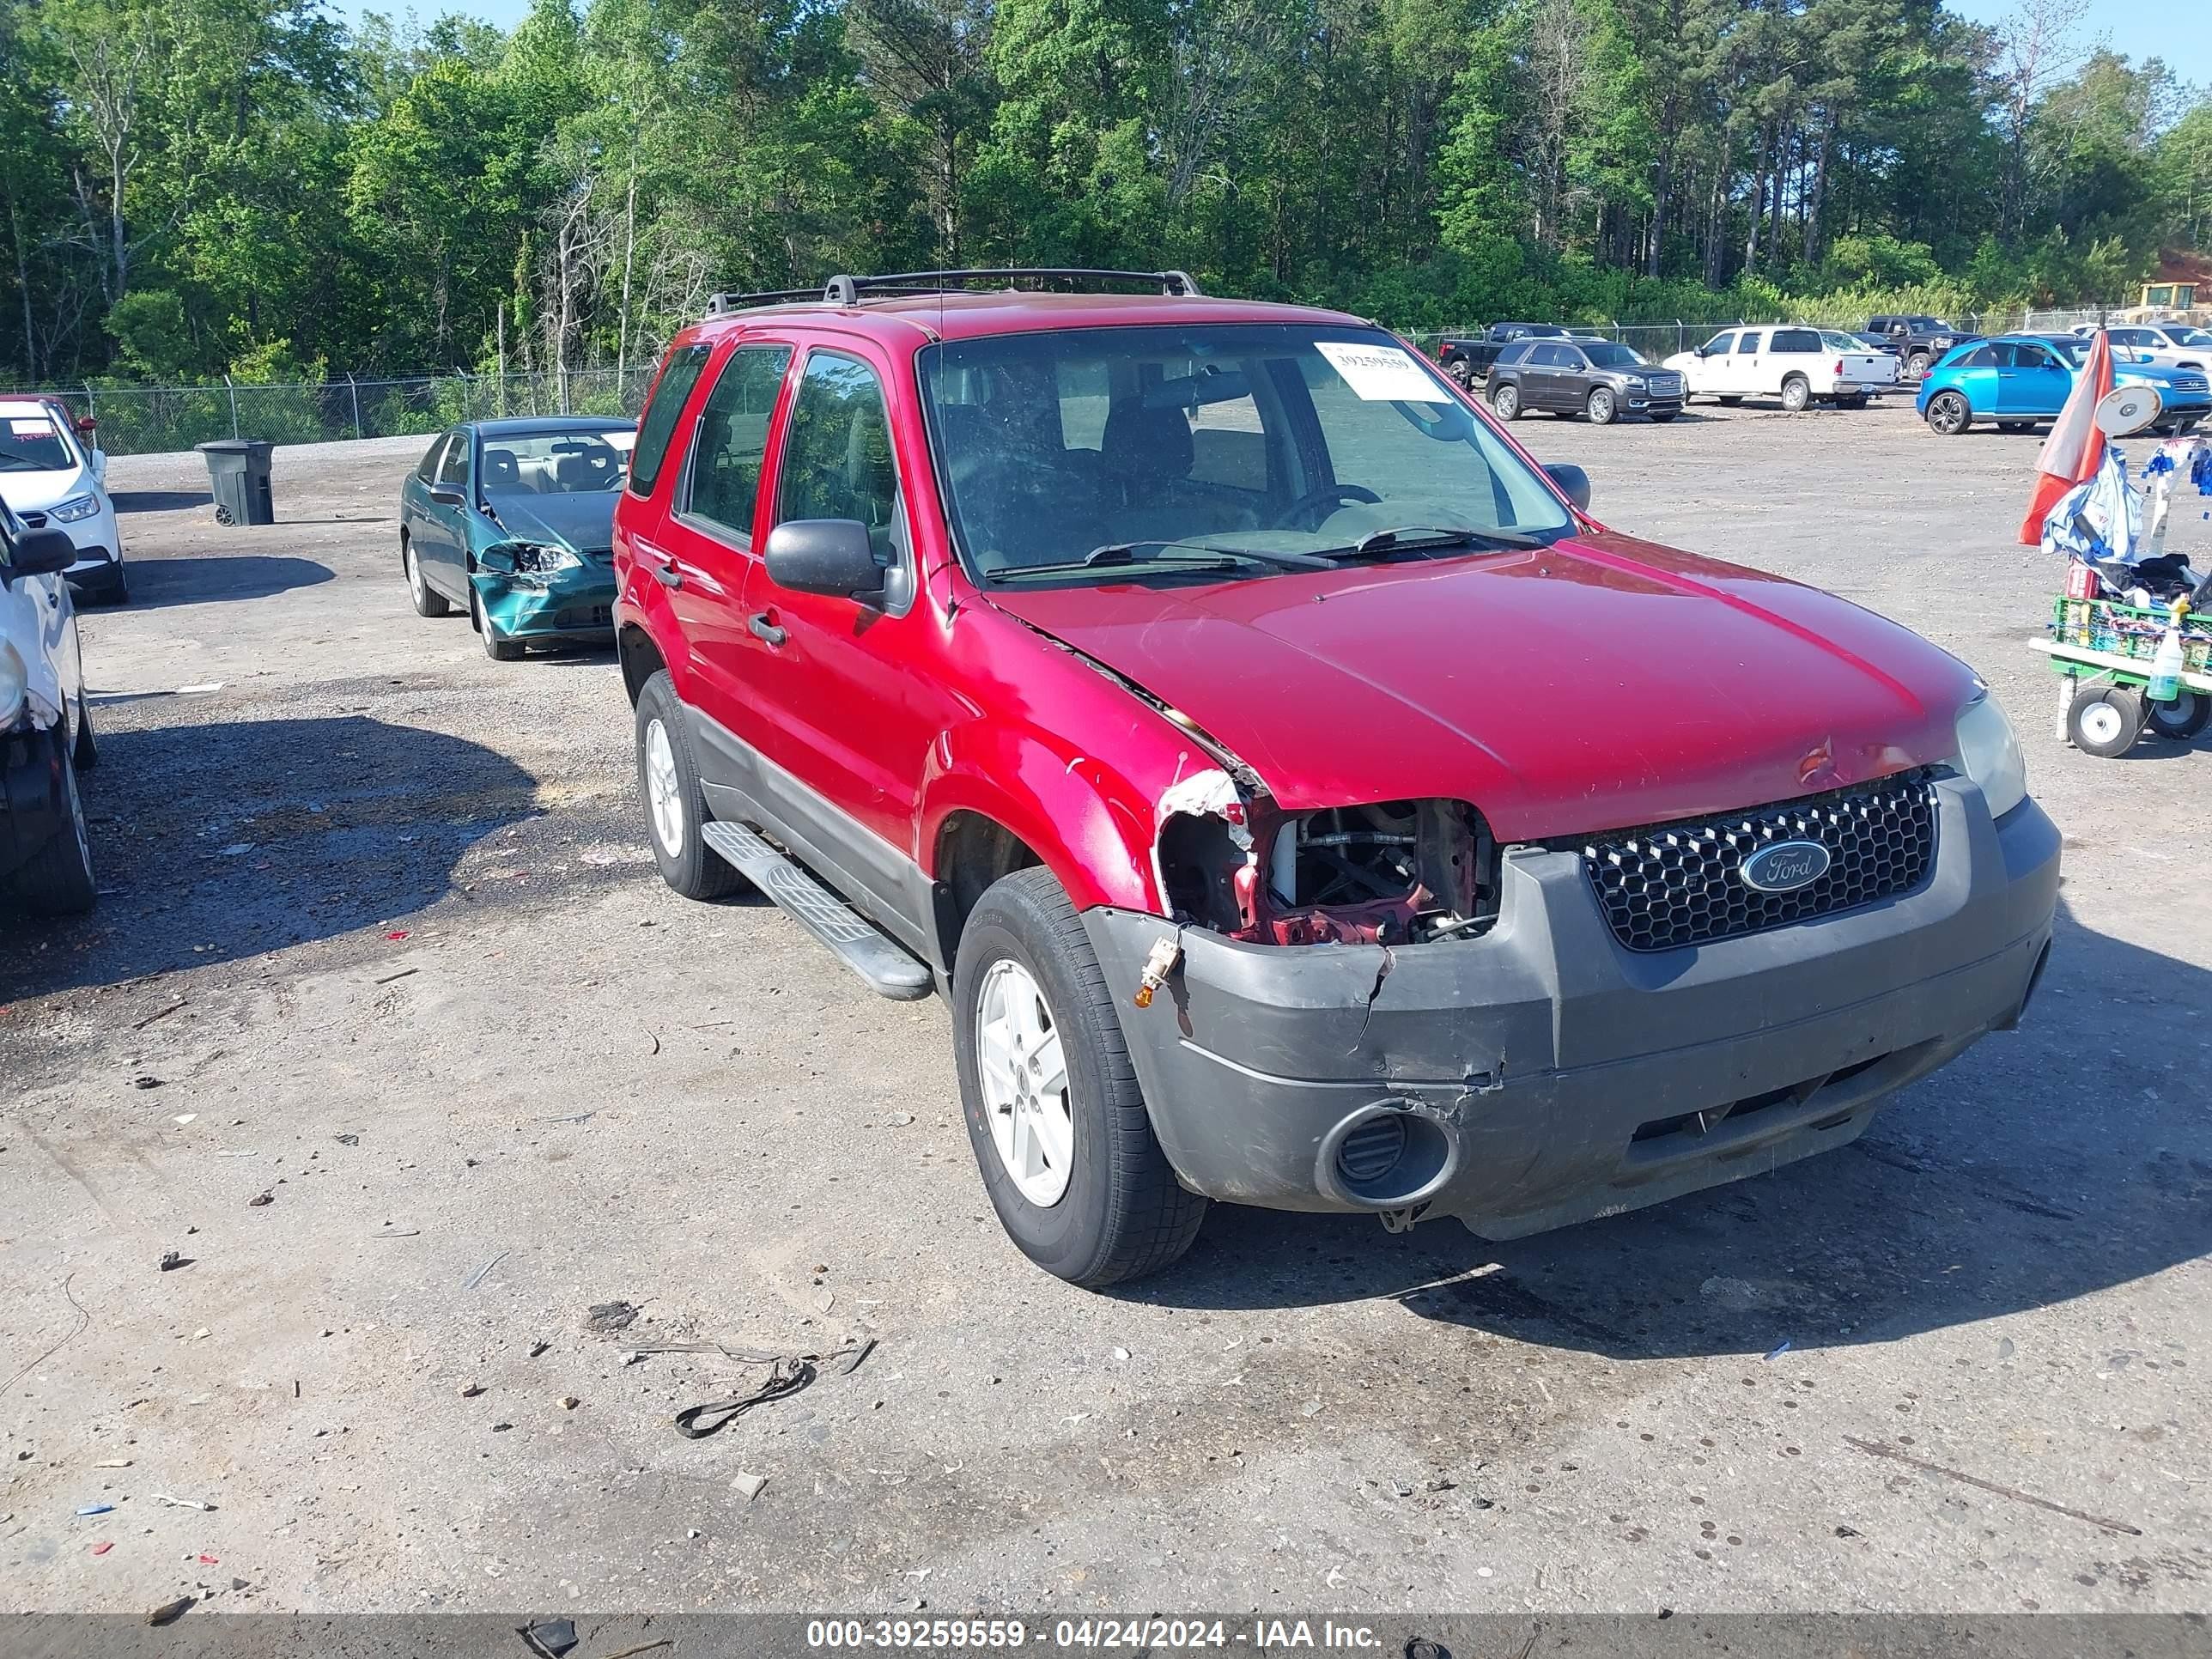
(1170, 560)
(1435, 535)
(1125, 553)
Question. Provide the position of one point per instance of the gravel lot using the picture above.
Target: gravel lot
(380, 939)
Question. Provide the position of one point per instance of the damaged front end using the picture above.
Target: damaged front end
(1386, 872)
(530, 588)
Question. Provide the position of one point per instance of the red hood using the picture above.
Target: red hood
(1597, 683)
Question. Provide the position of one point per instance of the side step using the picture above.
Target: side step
(889, 970)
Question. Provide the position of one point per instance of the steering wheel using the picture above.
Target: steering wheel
(1328, 495)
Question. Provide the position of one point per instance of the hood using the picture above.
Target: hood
(582, 524)
(33, 492)
(2156, 374)
(1592, 685)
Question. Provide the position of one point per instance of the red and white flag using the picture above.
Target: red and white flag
(2076, 448)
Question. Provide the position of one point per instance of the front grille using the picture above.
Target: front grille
(1680, 883)
(2189, 383)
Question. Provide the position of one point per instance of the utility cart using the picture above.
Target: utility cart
(2103, 649)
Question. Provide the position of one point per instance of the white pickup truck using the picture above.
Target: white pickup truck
(1795, 364)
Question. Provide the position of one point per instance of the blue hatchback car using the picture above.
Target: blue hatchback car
(2019, 379)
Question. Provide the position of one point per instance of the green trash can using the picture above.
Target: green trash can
(237, 476)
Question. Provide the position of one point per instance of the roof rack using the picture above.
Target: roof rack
(846, 290)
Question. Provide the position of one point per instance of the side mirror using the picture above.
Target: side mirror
(39, 553)
(832, 556)
(447, 495)
(1573, 482)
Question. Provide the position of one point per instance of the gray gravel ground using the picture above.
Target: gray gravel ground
(585, 1089)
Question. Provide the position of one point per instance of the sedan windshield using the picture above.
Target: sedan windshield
(580, 463)
(1611, 354)
(1093, 454)
(30, 443)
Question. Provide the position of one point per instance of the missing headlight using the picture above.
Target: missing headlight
(1387, 872)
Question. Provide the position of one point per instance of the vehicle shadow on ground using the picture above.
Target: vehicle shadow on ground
(220, 842)
(158, 501)
(2071, 1157)
(201, 581)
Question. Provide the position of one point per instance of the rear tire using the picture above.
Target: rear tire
(1505, 402)
(1859, 401)
(2179, 721)
(1119, 1212)
(1461, 373)
(675, 805)
(1949, 413)
(85, 752)
(429, 601)
(1796, 394)
(1730, 399)
(57, 880)
(2105, 721)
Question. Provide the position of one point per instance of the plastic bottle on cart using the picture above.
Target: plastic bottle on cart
(2165, 666)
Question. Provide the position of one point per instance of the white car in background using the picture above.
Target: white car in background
(45, 733)
(52, 480)
(1794, 364)
(2177, 345)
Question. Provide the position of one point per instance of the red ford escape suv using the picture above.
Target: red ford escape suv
(1199, 695)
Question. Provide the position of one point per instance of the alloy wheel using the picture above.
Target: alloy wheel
(663, 789)
(1023, 1068)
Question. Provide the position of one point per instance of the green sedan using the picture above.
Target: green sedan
(513, 521)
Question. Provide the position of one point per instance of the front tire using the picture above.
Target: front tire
(496, 646)
(675, 805)
(2105, 721)
(58, 880)
(1599, 407)
(1053, 1112)
(1949, 413)
(428, 602)
(1505, 402)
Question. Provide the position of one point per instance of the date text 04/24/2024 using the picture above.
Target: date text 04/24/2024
(1134, 1634)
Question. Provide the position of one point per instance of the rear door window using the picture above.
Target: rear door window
(726, 456)
(670, 394)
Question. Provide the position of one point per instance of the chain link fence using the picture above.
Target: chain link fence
(140, 420)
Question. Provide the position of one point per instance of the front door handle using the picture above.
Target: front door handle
(668, 575)
(763, 628)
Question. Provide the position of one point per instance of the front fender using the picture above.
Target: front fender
(1090, 826)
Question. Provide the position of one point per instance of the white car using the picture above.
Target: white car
(51, 479)
(1793, 363)
(2178, 345)
(46, 733)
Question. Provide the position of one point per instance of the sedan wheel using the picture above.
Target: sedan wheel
(1506, 400)
(1599, 407)
(1949, 413)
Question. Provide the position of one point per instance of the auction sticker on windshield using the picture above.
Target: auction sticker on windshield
(1382, 374)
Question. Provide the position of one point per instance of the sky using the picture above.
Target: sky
(2138, 29)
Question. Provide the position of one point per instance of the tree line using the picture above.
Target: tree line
(196, 187)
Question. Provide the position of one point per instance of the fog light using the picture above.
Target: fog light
(1372, 1149)
(1383, 1155)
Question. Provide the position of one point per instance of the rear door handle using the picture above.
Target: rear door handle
(668, 575)
(763, 628)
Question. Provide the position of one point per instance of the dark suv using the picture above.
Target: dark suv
(1603, 380)
(1187, 690)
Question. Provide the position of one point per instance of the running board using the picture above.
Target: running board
(890, 971)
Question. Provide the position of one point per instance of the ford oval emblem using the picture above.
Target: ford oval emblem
(1785, 866)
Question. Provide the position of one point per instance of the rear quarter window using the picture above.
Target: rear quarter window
(670, 393)
(1796, 339)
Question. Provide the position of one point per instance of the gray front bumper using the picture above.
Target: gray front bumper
(1530, 1058)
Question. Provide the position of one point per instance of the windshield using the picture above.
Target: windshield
(2189, 336)
(1611, 354)
(1836, 342)
(31, 443)
(580, 463)
(1260, 440)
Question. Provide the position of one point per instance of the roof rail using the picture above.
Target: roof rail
(843, 290)
(846, 290)
(717, 303)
